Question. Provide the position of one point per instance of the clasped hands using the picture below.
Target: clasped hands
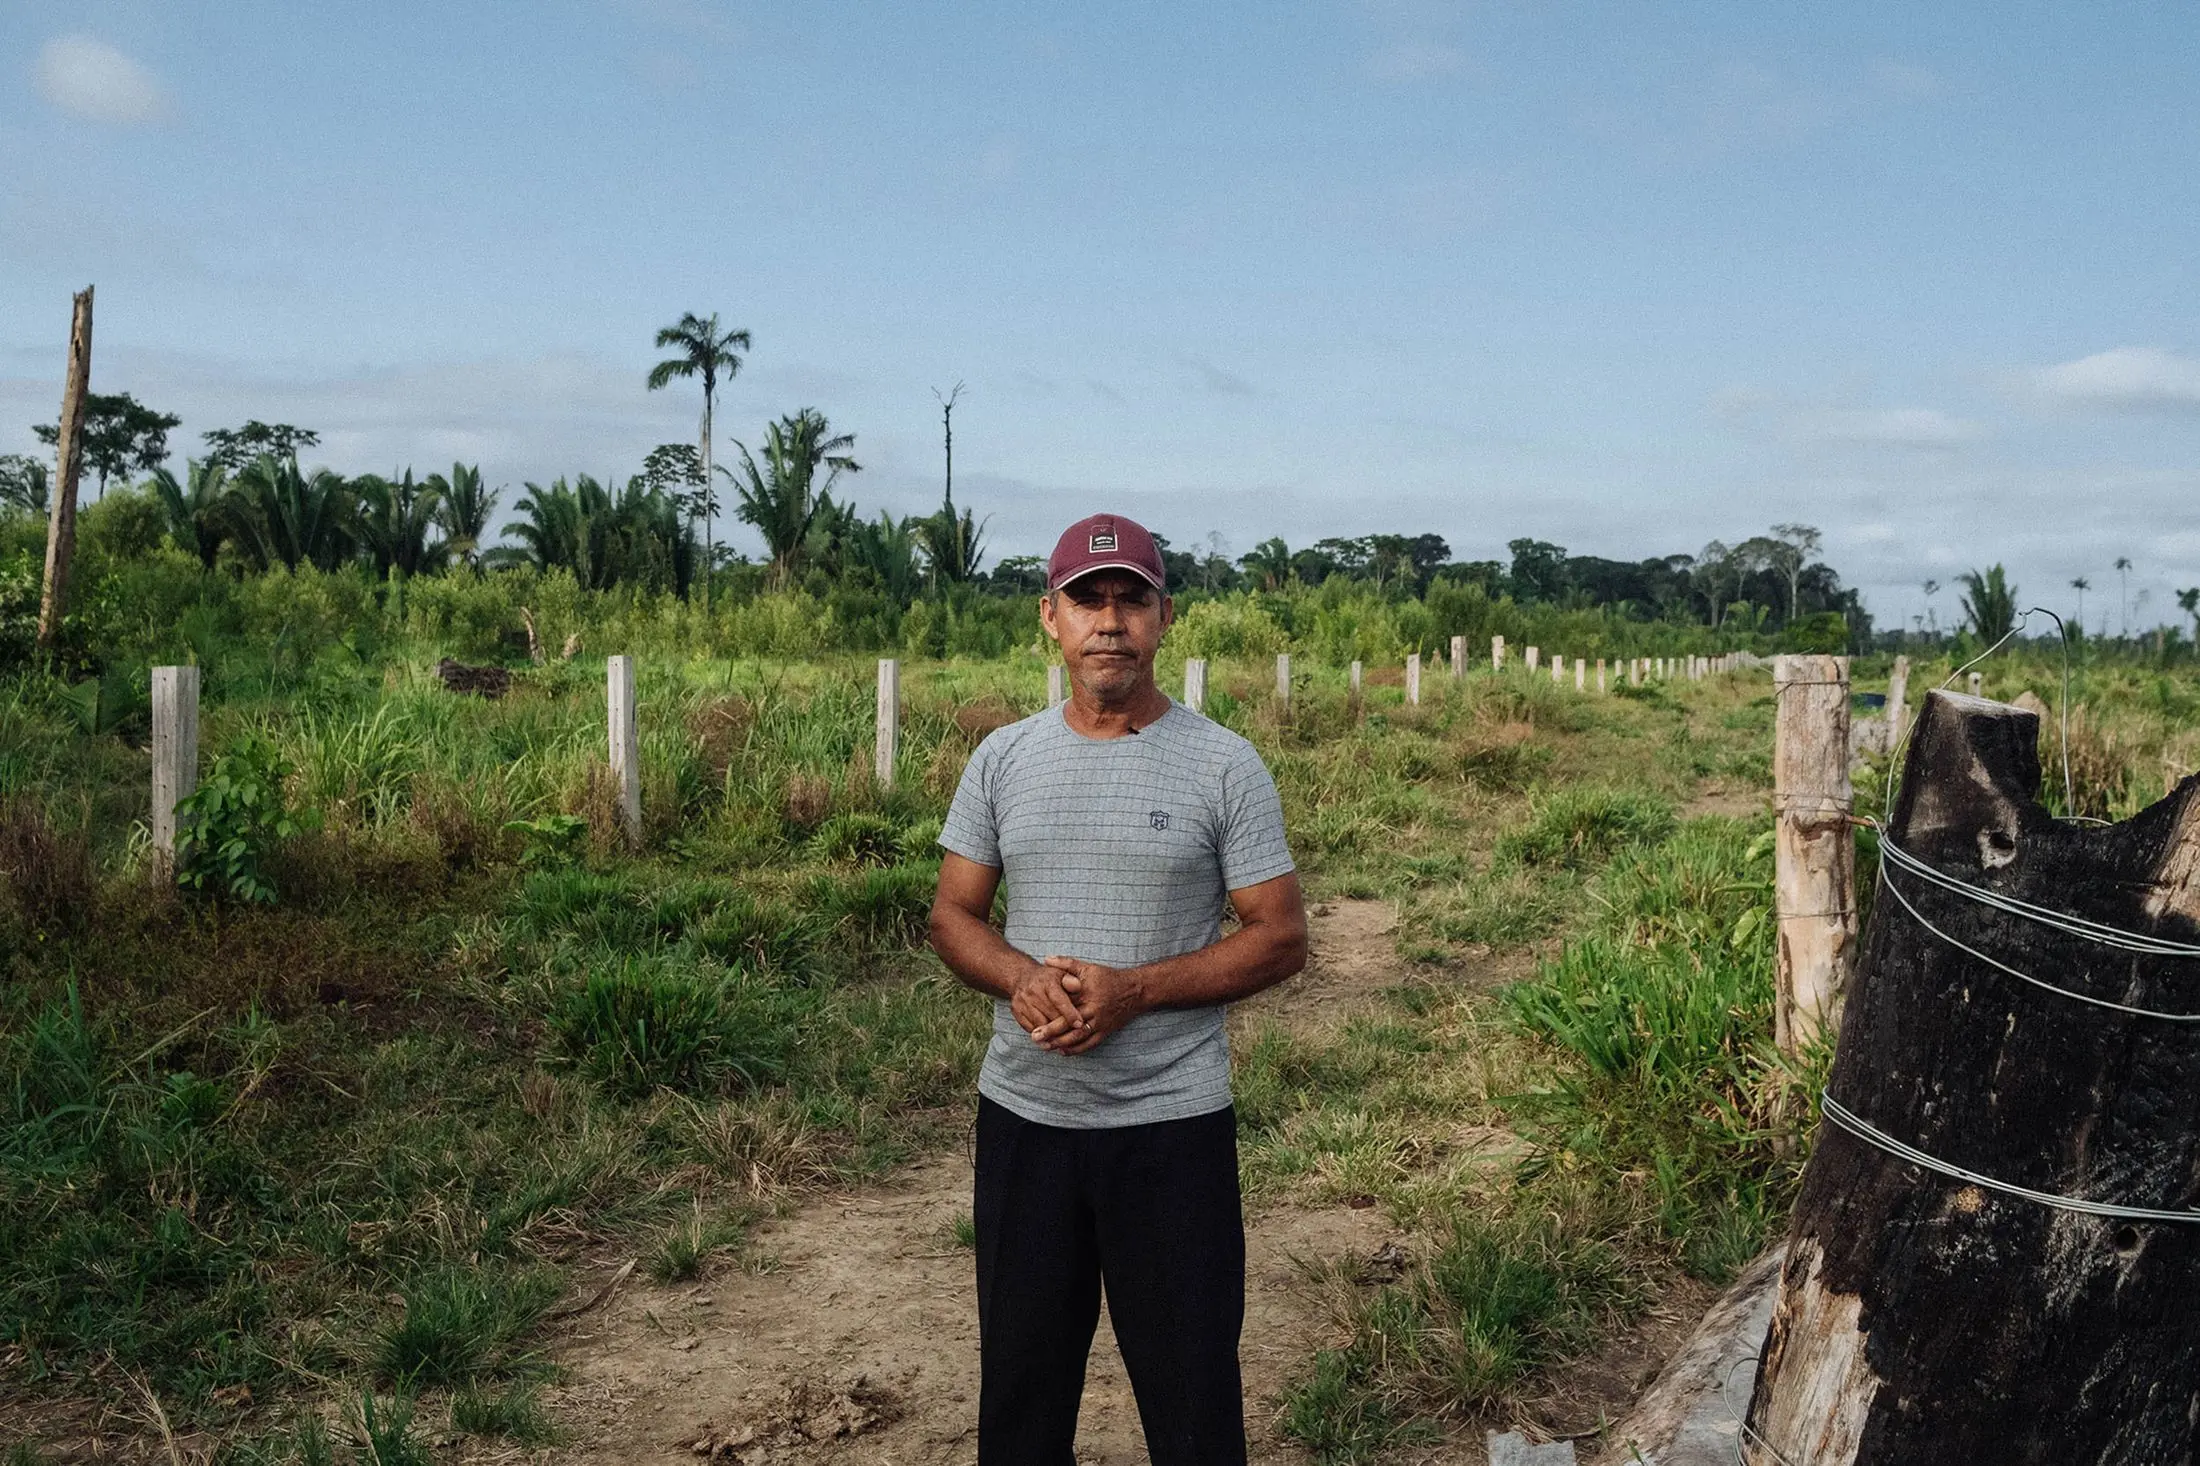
(1068, 1006)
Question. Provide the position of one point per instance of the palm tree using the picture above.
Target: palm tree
(463, 509)
(395, 517)
(277, 512)
(2081, 585)
(705, 352)
(2188, 601)
(2123, 589)
(783, 498)
(1989, 603)
(888, 549)
(562, 527)
(198, 511)
(1268, 562)
(953, 544)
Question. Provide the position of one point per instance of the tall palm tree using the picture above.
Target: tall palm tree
(2081, 585)
(198, 513)
(783, 497)
(278, 513)
(395, 517)
(463, 509)
(2123, 590)
(706, 352)
(1989, 603)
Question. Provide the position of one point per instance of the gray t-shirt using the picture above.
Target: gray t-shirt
(1118, 851)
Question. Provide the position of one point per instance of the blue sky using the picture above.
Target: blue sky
(1624, 277)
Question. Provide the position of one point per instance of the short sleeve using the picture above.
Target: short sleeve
(1253, 845)
(972, 830)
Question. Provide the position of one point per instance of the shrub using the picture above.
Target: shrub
(1236, 626)
(228, 827)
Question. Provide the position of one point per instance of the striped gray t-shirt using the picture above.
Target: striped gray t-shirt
(1118, 851)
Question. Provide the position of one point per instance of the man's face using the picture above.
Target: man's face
(1109, 624)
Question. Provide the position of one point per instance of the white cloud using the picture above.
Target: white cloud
(1919, 428)
(1887, 427)
(89, 78)
(2141, 378)
(1416, 61)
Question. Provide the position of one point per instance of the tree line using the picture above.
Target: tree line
(247, 504)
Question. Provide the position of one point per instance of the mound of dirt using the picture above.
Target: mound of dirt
(806, 1419)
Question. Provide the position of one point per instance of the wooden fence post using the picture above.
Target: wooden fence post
(1413, 679)
(1283, 681)
(889, 721)
(68, 469)
(626, 755)
(1978, 684)
(1530, 658)
(1898, 693)
(1925, 1316)
(1600, 674)
(1195, 684)
(1558, 668)
(1814, 847)
(1634, 671)
(1497, 654)
(1055, 695)
(1458, 656)
(175, 755)
(1581, 675)
(1355, 684)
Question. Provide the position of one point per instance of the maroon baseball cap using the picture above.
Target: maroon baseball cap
(1106, 542)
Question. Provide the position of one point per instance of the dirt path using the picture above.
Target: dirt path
(862, 1345)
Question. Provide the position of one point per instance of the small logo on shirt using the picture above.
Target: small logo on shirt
(1159, 819)
(1102, 543)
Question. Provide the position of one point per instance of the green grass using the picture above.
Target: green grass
(460, 1325)
(457, 1054)
(513, 1414)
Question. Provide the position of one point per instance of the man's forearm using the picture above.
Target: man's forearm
(1241, 964)
(977, 953)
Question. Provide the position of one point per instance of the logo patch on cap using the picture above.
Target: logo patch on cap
(1100, 542)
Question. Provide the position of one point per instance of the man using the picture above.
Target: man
(1107, 1148)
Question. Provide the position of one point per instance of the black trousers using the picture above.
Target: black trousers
(1152, 1212)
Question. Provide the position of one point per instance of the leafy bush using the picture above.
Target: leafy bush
(1232, 626)
(228, 827)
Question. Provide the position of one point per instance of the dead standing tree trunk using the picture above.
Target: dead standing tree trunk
(53, 602)
(1930, 1318)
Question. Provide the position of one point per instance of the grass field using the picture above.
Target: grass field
(309, 1175)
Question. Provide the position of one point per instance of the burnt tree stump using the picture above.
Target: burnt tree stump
(1925, 1319)
(480, 681)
